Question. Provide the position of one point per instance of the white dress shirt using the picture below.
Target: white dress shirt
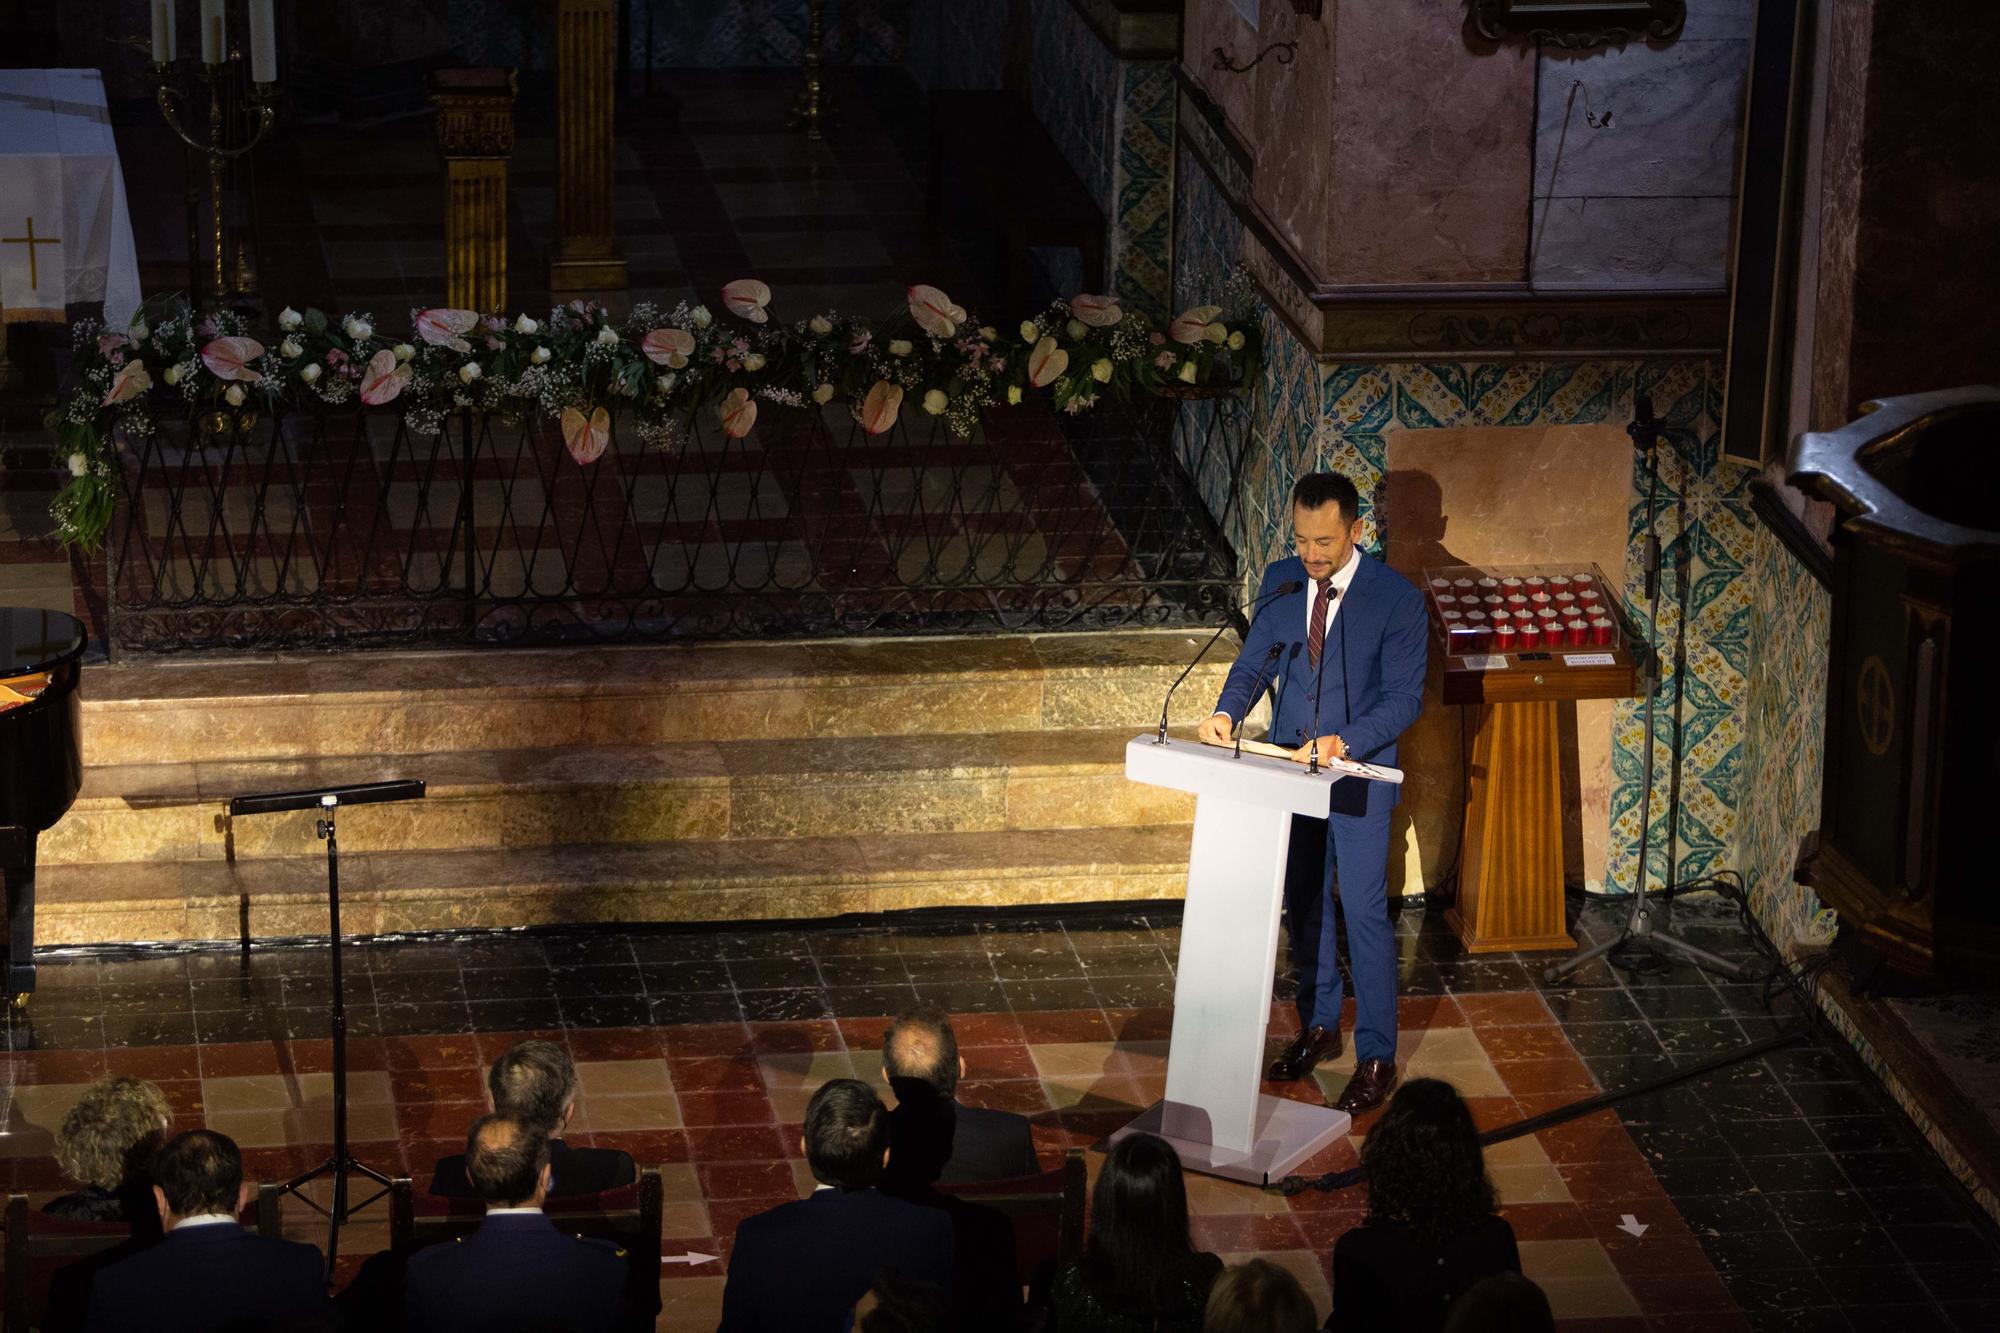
(1343, 578)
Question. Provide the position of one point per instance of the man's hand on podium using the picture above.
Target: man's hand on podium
(1330, 747)
(1215, 729)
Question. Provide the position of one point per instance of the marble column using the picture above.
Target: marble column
(475, 131)
(586, 254)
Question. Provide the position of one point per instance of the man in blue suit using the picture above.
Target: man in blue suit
(1344, 658)
(517, 1272)
(207, 1272)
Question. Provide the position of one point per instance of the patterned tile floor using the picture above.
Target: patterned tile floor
(1779, 1193)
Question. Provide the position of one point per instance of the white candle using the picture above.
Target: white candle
(263, 43)
(163, 31)
(214, 42)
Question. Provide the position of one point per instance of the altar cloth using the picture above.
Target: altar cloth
(65, 229)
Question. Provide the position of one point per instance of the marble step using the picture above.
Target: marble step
(753, 879)
(621, 794)
(168, 711)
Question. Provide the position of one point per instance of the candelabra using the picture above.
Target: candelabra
(240, 114)
(812, 109)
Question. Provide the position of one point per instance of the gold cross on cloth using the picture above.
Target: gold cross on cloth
(31, 241)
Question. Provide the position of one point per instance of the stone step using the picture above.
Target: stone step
(751, 879)
(734, 791)
(166, 711)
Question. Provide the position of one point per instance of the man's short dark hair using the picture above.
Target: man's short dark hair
(533, 1082)
(846, 1132)
(1316, 490)
(200, 1171)
(504, 1157)
(921, 1045)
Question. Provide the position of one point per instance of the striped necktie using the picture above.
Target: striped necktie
(1316, 632)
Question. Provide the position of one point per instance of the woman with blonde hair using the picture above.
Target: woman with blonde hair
(105, 1144)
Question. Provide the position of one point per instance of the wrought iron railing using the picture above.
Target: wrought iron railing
(342, 527)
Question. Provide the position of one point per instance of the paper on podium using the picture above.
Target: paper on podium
(1352, 768)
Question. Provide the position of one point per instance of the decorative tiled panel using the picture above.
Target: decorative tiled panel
(1143, 207)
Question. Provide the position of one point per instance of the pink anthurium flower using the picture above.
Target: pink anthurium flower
(879, 408)
(1100, 312)
(107, 342)
(587, 437)
(738, 412)
(445, 327)
(228, 358)
(1189, 325)
(934, 312)
(668, 347)
(383, 378)
(747, 297)
(131, 382)
(1046, 362)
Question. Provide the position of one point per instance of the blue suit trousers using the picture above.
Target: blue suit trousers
(1352, 852)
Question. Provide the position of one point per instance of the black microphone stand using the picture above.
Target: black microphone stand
(1282, 590)
(1271, 656)
(1645, 432)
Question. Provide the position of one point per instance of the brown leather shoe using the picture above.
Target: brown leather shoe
(1369, 1086)
(1307, 1049)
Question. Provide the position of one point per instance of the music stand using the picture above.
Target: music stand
(328, 800)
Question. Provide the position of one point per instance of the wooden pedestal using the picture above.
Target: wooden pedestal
(1510, 892)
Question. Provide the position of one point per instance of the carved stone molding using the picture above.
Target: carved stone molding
(475, 111)
(1577, 24)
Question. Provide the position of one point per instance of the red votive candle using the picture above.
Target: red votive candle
(1462, 586)
(1446, 599)
(1517, 601)
(1565, 601)
(1581, 582)
(1531, 633)
(1559, 583)
(1506, 639)
(1492, 599)
(1536, 583)
(1458, 638)
(1579, 632)
(1440, 585)
(1600, 630)
(1540, 599)
(1452, 615)
(1489, 584)
(1511, 584)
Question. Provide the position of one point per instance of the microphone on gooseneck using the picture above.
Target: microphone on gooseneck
(1282, 590)
(1271, 656)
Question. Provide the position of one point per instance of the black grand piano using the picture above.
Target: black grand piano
(41, 764)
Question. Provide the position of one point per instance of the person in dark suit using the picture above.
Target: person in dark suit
(1432, 1232)
(801, 1267)
(207, 1273)
(1344, 655)
(535, 1082)
(920, 1051)
(517, 1271)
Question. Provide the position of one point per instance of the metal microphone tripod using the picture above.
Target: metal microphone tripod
(1639, 923)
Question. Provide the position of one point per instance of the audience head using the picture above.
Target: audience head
(110, 1135)
(535, 1083)
(1138, 1225)
(902, 1305)
(847, 1134)
(507, 1161)
(1258, 1297)
(921, 1047)
(1501, 1303)
(196, 1174)
(1424, 1165)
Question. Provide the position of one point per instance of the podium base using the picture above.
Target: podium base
(1288, 1132)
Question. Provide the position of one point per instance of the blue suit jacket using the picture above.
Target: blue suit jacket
(517, 1271)
(800, 1267)
(212, 1277)
(1368, 690)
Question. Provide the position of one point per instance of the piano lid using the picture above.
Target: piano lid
(35, 640)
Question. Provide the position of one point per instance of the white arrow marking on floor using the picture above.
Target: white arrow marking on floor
(691, 1257)
(1634, 1225)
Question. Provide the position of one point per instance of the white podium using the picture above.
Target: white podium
(1214, 1114)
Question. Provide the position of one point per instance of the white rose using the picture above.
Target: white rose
(234, 395)
(822, 393)
(290, 348)
(754, 361)
(702, 319)
(1075, 328)
(404, 351)
(820, 325)
(539, 355)
(1014, 394)
(935, 401)
(311, 373)
(1236, 341)
(172, 375)
(666, 383)
(468, 372)
(607, 336)
(78, 465)
(358, 329)
(524, 326)
(139, 331)
(289, 319)
(1029, 333)
(1100, 370)
(899, 347)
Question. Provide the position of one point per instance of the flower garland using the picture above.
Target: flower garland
(578, 365)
